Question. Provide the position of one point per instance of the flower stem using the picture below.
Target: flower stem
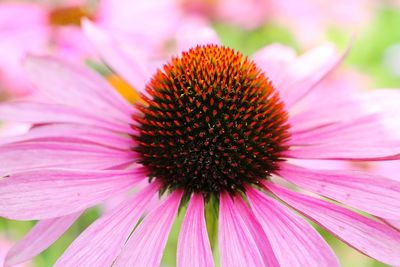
(211, 212)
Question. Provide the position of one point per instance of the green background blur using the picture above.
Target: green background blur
(372, 48)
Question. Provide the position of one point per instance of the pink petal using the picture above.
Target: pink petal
(155, 20)
(256, 229)
(365, 129)
(394, 223)
(77, 86)
(23, 156)
(245, 14)
(28, 33)
(193, 244)
(101, 242)
(241, 240)
(370, 193)
(372, 238)
(120, 56)
(337, 96)
(307, 71)
(146, 245)
(388, 169)
(194, 31)
(365, 138)
(43, 194)
(28, 14)
(71, 43)
(340, 151)
(341, 102)
(289, 232)
(70, 133)
(274, 60)
(38, 113)
(386, 103)
(9, 129)
(42, 235)
(323, 113)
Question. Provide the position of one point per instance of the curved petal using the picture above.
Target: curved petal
(370, 193)
(324, 113)
(70, 133)
(307, 71)
(28, 14)
(372, 238)
(365, 138)
(42, 235)
(156, 20)
(394, 223)
(77, 86)
(385, 102)
(289, 232)
(347, 97)
(340, 151)
(337, 96)
(25, 156)
(274, 60)
(193, 245)
(364, 130)
(119, 56)
(146, 245)
(241, 240)
(43, 194)
(101, 242)
(10, 129)
(194, 31)
(38, 113)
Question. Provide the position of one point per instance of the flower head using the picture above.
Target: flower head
(212, 123)
(213, 126)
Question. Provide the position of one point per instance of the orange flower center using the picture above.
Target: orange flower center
(68, 16)
(213, 123)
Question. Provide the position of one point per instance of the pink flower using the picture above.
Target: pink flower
(40, 28)
(248, 14)
(28, 27)
(214, 129)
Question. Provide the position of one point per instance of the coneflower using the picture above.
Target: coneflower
(214, 128)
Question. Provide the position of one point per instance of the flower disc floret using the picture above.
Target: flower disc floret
(212, 123)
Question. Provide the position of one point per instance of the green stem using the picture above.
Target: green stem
(211, 211)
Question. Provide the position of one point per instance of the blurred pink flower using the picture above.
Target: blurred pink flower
(213, 127)
(309, 20)
(245, 13)
(42, 28)
(29, 27)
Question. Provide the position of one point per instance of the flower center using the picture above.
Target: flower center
(68, 16)
(212, 123)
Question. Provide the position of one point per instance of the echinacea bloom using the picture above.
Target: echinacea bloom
(54, 28)
(214, 126)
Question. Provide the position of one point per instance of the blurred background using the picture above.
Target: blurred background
(247, 25)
